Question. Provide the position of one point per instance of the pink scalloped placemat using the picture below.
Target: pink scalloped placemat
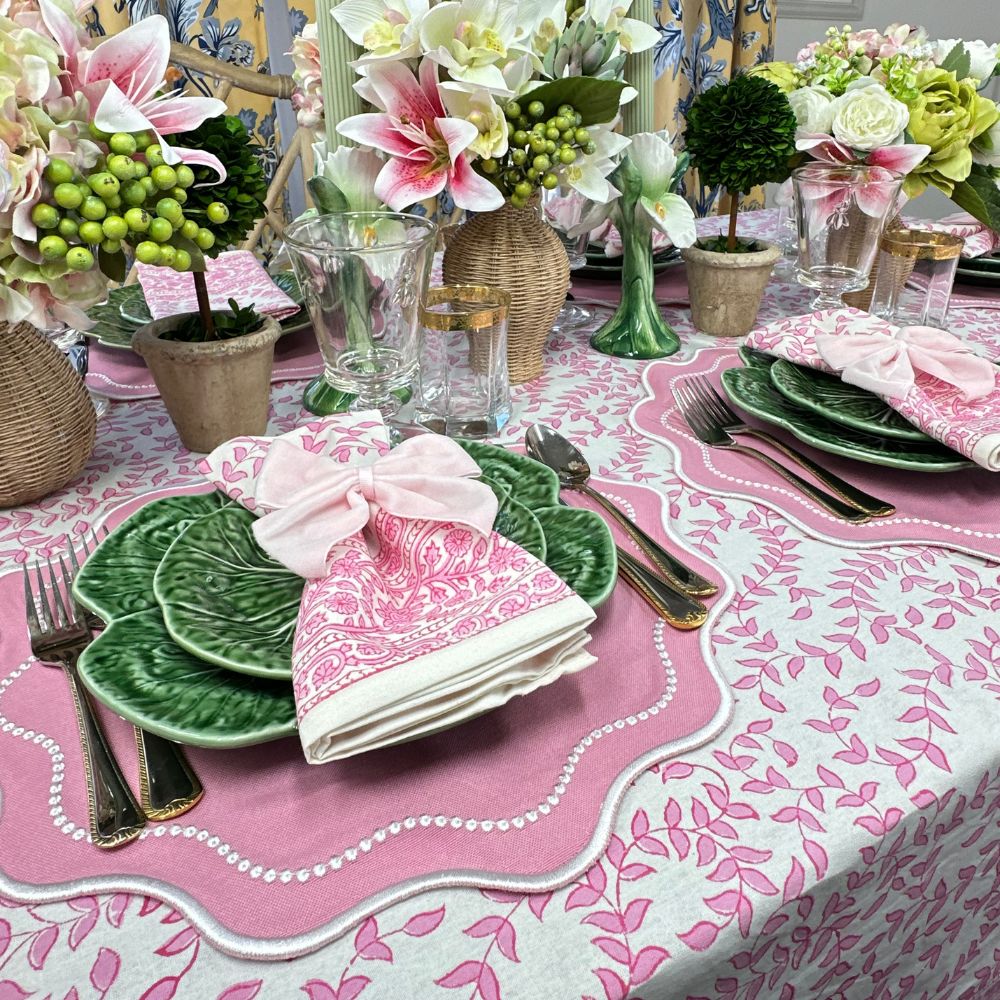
(120, 374)
(280, 857)
(959, 510)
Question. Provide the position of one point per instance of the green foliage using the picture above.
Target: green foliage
(720, 244)
(231, 324)
(741, 134)
(596, 100)
(244, 189)
(979, 196)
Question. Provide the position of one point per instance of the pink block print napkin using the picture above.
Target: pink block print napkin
(926, 375)
(979, 239)
(235, 274)
(415, 615)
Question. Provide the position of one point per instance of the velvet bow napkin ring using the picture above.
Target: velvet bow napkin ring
(888, 365)
(312, 502)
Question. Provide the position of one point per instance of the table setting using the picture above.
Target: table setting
(582, 599)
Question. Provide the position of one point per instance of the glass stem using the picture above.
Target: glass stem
(827, 300)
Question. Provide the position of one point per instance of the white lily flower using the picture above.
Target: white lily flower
(654, 158)
(589, 174)
(479, 108)
(352, 170)
(609, 15)
(473, 40)
(540, 23)
(385, 29)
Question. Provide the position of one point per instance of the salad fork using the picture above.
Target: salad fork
(709, 430)
(731, 423)
(59, 634)
(168, 785)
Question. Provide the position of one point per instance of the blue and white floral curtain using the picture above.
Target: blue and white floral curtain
(701, 43)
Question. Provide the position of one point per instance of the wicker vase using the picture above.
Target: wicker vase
(513, 249)
(47, 422)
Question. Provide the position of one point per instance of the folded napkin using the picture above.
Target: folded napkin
(235, 274)
(927, 375)
(979, 239)
(416, 616)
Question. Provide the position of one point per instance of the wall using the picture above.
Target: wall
(802, 21)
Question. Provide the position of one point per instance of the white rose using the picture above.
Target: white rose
(868, 117)
(813, 107)
(982, 57)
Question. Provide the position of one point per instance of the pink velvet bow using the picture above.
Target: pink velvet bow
(315, 502)
(887, 365)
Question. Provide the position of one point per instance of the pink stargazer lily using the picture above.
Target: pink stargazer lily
(426, 148)
(122, 78)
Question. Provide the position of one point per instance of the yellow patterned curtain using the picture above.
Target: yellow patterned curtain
(701, 43)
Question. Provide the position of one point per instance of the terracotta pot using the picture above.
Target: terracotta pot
(513, 249)
(47, 421)
(726, 288)
(215, 390)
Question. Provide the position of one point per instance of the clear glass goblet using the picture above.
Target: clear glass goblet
(363, 275)
(840, 213)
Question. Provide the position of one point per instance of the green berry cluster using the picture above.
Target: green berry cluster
(130, 196)
(537, 148)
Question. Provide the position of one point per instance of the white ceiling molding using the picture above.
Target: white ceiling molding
(821, 10)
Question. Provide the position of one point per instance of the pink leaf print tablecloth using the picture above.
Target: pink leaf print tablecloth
(838, 840)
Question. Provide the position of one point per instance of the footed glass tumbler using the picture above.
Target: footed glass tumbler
(363, 275)
(841, 211)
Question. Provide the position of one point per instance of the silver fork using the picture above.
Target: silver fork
(732, 423)
(708, 429)
(59, 634)
(168, 785)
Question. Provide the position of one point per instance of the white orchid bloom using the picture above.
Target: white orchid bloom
(385, 29)
(472, 40)
(353, 172)
(540, 23)
(589, 174)
(654, 158)
(481, 109)
(609, 15)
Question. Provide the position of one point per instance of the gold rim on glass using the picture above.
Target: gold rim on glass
(921, 244)
(474, 307)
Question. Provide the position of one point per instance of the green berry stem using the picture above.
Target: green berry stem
(204, 306)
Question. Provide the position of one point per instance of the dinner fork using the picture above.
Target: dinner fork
(59, 634)
(731, 422)
(168, 785)
(708, 429)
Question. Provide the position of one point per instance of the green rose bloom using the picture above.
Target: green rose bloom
(783, 75)
(946, 115)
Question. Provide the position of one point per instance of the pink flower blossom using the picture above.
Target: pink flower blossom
(426, 148)
(308, 97)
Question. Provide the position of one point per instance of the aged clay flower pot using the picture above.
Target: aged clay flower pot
(726, 288)
(215, 390)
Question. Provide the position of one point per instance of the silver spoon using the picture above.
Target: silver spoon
(550, 448)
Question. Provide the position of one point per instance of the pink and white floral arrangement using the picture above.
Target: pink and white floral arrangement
(65, 106)
(899, 100)
(486, 100)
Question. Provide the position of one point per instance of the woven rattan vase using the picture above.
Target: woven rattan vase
(47, 422)
(513, 249)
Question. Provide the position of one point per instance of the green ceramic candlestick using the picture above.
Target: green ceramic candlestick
(636, 330)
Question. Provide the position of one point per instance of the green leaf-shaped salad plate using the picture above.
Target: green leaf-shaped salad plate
(200, 620)
(125, 310)
(832, 416)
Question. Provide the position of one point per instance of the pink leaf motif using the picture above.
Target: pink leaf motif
(9, 990)
(104, 971)
(507, 941)
(640, 824)
(616, 850)
(538, 902)
(489, 985)
(353, 987)
(377, 951)
(614, 949)
(794, 882)
(423, 923)
(647, 962)
(605, 920)
(162, 989)
(4, 935)
(635, 913)
(636, 871)
(486, 927)
(82, 927)
(242, 991)
(461, 975)
(41, 946)
(582, 895)
(650, 845)
(181, 940)
(724, 903)
(677, 769)
(817, 856)
(701, 936)
(316, 989)
(614, 988)
(116, 908)
(367, 933)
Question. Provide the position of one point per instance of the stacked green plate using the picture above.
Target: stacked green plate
(832, 416)
(984, 271)
(125, 310)
(200, 620)
(602, 268)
